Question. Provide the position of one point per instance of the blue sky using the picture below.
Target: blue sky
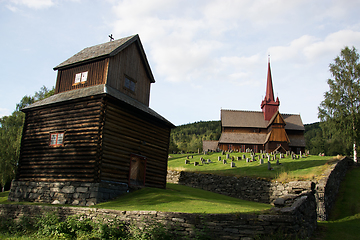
(205, 55)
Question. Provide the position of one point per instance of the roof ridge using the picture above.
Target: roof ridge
(232, 110)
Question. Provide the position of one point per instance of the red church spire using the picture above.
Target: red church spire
(269, 106)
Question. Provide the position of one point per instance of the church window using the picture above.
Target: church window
(57, 139)
(81, 77)
(130, 84)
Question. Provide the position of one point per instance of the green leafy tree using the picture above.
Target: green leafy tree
(10, 136)
(339, 111)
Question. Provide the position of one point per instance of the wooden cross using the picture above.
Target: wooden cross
(111, 37)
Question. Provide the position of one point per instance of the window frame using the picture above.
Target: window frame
(80, 76)
(132, 87)
(57, 134)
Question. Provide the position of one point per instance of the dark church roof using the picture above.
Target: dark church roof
(242, 138)
(94, 91)
(106, 50)
(255, 119)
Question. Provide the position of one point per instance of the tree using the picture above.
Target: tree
(10, 136)
(10, 139)
(339, 111)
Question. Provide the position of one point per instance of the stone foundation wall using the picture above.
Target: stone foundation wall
(297, 220)
(260, 190)
(74, 193)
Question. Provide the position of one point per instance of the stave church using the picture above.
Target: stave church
(262, 131)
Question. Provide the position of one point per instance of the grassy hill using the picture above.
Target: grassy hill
(305, 168)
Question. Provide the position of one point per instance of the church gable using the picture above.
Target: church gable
(120, 64)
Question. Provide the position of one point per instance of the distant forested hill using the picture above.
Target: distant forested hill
(189, 137)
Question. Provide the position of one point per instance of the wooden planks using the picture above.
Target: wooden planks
(125, 134)
(97, 72)
(128, 62)
(76, 159)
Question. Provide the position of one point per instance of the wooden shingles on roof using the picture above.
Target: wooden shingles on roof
(106, 50)
(210, 145)
(255, 119)
(236, 118)
(242, 138)
(297, 141)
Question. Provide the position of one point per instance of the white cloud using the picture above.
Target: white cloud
(332, 44)
(310, 49)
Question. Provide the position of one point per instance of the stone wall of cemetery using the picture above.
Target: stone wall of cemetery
(260, 190)
(299, 219)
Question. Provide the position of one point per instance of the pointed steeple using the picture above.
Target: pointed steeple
(269, 87)
(269, 106)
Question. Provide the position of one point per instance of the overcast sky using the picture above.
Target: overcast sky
(205, 55)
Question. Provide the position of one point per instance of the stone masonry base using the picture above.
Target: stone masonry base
(74, 193)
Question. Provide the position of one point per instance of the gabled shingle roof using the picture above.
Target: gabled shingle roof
(255, 119)
(243, 138)
(106, 50)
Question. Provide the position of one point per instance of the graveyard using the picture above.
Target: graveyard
(277, 167)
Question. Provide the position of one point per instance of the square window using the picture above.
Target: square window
(129, 84)
(81, 77)
(57, 139)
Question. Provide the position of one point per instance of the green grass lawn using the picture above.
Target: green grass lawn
(344, 220)
(179, 198)
(175, 198)
(309, 167)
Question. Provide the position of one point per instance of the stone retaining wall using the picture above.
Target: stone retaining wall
(74, 193)
(296, 220)
(260, 190)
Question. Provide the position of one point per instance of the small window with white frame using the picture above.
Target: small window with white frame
(57, 139)
(81, 77)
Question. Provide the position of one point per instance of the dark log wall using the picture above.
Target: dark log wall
(128, 62)
(237, 147)
(126, 134)
(97, 72)
(76, 160)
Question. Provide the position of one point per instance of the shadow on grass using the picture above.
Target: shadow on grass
(186, 199)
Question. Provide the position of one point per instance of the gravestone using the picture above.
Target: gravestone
(209, 161)
(232, 164)
(187, 161)
(238, 158)
(192, 156)
(196, 163)
(261, 161)
(269, 166)
(243, 156)
(187, 157)
(300, 154)
(277, 162)
(219, 158)
(227, 156)
(224, 161)
(247, 159)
